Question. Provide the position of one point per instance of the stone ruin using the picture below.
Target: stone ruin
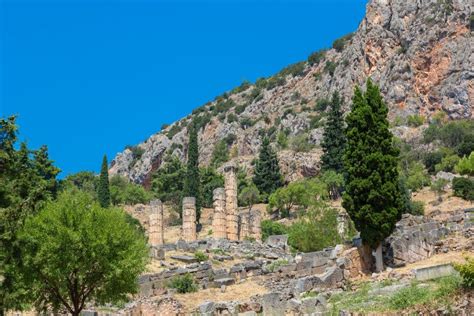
(156, 231)
(228, 222)
(189, 219)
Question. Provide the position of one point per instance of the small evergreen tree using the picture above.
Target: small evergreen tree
(192, 182)
(267, 175)
(103, 191)
(334, 140)
(372, 198)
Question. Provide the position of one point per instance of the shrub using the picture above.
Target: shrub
(231, 117)
(270, 228)
(466, 271)
(416, 208)
(316, 230)
(334, 182)
(316, 57)
(316, 121)
(340, 43)
(303, 193)
(124, 192)
(210, 180)
(464, 188)
(415, 120)
(246, 122)
(243, 86)
(282, 140)
(300, 143)
(275, 81)
(249, 196)
(322, 104)
(183, 283)
(447, 163)
(220, 154)
(239, 109)
(439, 185)
(293, 70)
(417, 177)
(201, 256)
(230, 139)
(330, 67)
(451, 134)
(272, 267)
(431, 159)
(466, 165)
(175, 129)
(164, 126)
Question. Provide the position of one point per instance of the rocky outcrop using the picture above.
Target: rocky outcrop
(418, 51)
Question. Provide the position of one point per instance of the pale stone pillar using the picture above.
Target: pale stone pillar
(256, 225)
(342, 223)
(244, 229)
(156, 231)
(189, 219)
(232, 216)
(219, 224)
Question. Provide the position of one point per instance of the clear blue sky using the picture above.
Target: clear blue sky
(89, 77)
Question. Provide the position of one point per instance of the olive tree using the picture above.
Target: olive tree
(74, 252)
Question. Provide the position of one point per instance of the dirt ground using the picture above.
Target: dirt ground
(236, 292)
(448, 201)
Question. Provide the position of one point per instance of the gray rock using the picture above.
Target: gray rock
(207, 308)
(184, 258)
(224, 281)
(273, 305)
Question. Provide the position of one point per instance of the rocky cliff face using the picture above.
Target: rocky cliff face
(420, 52)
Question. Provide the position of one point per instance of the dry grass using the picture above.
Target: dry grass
(448, 203)
(236, 292)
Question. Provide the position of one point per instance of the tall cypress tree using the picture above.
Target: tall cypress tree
(192, 182)
(372, 197)
(103, 191)
(334, 140)
(267, 176)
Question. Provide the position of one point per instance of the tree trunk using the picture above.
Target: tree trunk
(378, 258)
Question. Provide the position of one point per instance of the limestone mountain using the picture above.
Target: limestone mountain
(420, 52)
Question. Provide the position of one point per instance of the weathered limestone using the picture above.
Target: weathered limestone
(342, 223)
(219, 221)
(255, 225)
(232, 217)
(189, 219)
(244, 231)
(156, 231)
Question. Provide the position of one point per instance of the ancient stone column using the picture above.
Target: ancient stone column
(189, 219)
(255, 225)
(156, 231)
(342, 223)
(219, 224)
(244, 228)
(232, 216)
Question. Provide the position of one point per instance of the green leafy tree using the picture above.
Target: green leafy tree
(372, 198)
(27, 181)
(334, 140)
(84, 180)
(75, 252)
(192, 182)
(123, 191)
(249, 196)
(220, 154)
(267, 175)
(466, 165)
(334, 182)
(210, 180)
(270, 228)
(316, 230)
(301, 193)
(417, 177)
(103, 190)
(168, 181)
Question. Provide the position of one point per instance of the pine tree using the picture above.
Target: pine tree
(334, 140)
(192, 182)
(103, 191)
(267, 175)
(372, 197)
(45, 169)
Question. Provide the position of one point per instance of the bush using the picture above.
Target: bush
(316, 230)
(183, 283)
(124, 192)
(175, 129)
(330, 67)
(293, 70)
(431, 159)
(466, 271)
(246, 122)
(303, 194)
(464, 188)
(282, 140)
(220, 154)
(322, 104)
(340, 43)
(300, 143)
(447, 163)
(239, 109)
(417, 177)
(451, 134)
(316, 57)
(334, 182)
(270, 228)
(201, 256)
(231, 117)
(416, 208)
(415, 120)
(466, 165)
